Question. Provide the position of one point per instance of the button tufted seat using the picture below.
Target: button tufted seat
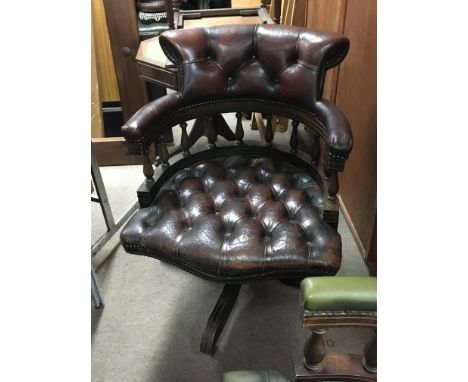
(238, 219)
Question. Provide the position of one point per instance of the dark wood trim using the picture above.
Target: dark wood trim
(217, 12)
(158, 75)
(114, 152)
(347, 319)
(335, 367)
(124, 40)
(356, 237)
(335, 73)
(372, 254)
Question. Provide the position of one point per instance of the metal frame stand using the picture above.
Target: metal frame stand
(100, 196)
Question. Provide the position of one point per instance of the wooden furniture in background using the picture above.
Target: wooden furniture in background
(356, 95)
(124, 40)
(353, 88)
(327, 15)
(337, 302)
(108, 89)
(97, 129)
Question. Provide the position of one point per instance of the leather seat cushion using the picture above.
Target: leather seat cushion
(238, 219)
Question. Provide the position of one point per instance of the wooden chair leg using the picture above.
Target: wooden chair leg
(218, 318)
(314, 350)
(369, 361)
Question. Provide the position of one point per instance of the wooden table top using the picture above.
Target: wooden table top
(150, 51)
(155, 67)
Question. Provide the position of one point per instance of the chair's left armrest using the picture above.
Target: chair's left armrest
(143, 125)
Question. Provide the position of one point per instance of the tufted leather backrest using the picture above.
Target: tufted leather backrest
(270, 62)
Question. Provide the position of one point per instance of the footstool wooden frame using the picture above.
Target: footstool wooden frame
(332, 302)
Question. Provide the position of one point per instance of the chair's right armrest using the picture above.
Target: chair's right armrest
(339, 134)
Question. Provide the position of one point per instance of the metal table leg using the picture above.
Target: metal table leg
(98, 303)
(100, 196)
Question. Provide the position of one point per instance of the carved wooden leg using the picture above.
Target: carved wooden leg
(211, 133)
(331, 206)
(239, 129)
(218, 318)
(333, 185)
(269, 134)
(148, 170)
(314, 350)
(369, 361)
(294, 141)
(184, 140)
(315, 154)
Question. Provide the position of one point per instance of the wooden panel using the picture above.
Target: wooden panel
(114, 152)
(124, 39)
(327, 15)
(224, 20)
(299, 13)
(107, 80)
(357, 98)
(97, 130)
(245, 3)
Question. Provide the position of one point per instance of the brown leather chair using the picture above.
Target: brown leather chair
(242, 211)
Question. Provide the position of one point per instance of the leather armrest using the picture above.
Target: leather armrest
(143, 120)
(339, 134)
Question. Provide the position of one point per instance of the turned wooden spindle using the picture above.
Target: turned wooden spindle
(170, 14)
(163, 153)
(294, 141)
(239, 129)
(315, 153)
(333, 185)
(269, 131)
(184, 140)
(157, 161)
(369, 361)
(212, 134)
(277, 12)
(314, 350)
(148, 170)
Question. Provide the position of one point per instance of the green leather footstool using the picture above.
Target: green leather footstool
(253, 376)
(330, 302)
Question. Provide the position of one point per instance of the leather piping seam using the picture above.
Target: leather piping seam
(340, 313)
(308, 66)
(141, 250)
(195, 61)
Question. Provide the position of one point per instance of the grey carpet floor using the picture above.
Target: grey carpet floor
(154, 314)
